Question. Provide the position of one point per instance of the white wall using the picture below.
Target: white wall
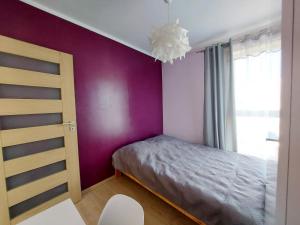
(183, 98)
(282, 177)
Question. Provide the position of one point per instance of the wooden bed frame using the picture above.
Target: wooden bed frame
(181, 210)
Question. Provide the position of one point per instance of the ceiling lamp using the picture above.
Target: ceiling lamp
(170, 41)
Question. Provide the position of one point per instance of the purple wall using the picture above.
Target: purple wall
(118, 90)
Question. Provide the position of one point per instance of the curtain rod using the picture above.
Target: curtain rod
(226, 44)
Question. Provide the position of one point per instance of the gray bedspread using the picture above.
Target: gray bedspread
(218, 187)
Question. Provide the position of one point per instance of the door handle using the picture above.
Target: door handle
(71, 125)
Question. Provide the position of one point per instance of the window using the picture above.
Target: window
(257, 102)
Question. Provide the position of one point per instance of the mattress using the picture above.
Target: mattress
(218, 187)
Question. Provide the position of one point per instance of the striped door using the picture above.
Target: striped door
(38, 138)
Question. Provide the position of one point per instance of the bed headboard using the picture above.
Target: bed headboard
(38, 139)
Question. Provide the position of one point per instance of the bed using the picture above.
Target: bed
(212, 186)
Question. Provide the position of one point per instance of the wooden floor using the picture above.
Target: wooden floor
(156, 211)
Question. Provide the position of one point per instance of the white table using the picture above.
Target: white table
(64, 213)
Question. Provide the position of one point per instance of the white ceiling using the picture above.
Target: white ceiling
(131, 21)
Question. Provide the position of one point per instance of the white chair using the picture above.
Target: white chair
(122, 210)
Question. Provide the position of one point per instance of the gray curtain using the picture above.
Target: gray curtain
(219, 112)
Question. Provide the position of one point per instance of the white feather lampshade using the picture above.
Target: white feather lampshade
(170, 42)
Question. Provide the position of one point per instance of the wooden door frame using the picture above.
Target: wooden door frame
(293, 188)
(285, 115)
